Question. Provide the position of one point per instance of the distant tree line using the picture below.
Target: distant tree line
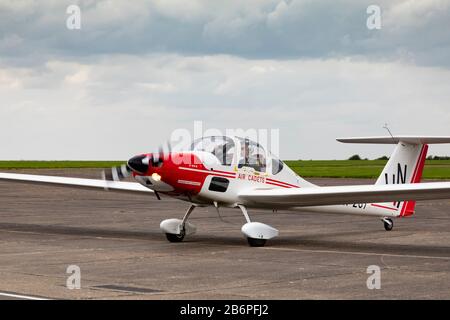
(438, 158)
(358, 157)
(355, 157)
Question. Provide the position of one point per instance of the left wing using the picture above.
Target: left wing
(305, 197)
(76, 182)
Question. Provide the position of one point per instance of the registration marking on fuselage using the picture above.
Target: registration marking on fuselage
(192, 183)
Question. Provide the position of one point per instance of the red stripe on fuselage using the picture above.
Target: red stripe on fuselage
(282, 182)
(224, 172)
(382, 207)
(210, 172)
(233, 175)
(278, 185)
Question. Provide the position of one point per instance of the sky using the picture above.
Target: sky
(136, 71)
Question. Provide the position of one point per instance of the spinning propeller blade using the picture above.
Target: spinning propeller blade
(117, 173)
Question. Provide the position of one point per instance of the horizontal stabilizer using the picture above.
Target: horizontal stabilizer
(396, 139)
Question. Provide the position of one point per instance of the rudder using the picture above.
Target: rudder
(405, 166)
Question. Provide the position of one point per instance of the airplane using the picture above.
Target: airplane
(235, 172)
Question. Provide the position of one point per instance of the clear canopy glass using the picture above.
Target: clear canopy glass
(221, 146)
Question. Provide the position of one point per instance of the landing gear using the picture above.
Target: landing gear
(388, 224)
(176, 229)
(256, 242)
(175, 237)
(257, 233)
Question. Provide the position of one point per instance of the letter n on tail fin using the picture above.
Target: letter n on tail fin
(405, 166)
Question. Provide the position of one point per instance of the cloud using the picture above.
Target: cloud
(118, 106)
(414, 31)
(134, 73)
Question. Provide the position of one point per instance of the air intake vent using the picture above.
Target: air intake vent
(219, 184)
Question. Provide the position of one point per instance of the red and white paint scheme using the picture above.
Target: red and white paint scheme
(233, 172)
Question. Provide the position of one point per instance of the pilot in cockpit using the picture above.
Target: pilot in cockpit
(251, 158)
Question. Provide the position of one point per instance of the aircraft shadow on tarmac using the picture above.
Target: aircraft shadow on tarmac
(304, 242)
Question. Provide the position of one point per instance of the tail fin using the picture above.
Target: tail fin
(405, 166)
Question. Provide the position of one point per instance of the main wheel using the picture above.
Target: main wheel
(388, 224)
(256, 242)
(174, 237)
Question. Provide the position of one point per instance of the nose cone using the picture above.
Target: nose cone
(139, 164)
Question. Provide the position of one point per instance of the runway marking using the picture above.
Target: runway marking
(358, 253)
(19, 296)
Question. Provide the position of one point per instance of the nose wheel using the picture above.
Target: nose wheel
(176, 229)
(175, 237)
(252, 242)
(257, 233)
(388, 224)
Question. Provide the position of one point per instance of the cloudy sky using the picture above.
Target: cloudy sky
(137, 70)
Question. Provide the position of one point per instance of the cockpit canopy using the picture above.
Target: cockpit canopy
(239, 152)
(221, 146)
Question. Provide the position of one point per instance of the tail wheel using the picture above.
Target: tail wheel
(256, 242)
(388, 224)
(175, 237)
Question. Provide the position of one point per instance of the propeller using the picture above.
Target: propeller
(164, 149)
(117, 173)
(139, 164)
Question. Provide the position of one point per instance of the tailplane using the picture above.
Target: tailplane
(404, 166)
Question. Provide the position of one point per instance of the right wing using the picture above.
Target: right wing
(76, 182)
(397, 139)
(321, 196)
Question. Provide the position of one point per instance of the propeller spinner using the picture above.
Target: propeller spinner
(138, 164)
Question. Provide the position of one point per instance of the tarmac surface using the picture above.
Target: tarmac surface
(116, 242)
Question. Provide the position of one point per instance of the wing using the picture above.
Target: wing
(76, 182)
(303, 197)
(397, 139)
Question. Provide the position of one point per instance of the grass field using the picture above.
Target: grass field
(434, 169)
